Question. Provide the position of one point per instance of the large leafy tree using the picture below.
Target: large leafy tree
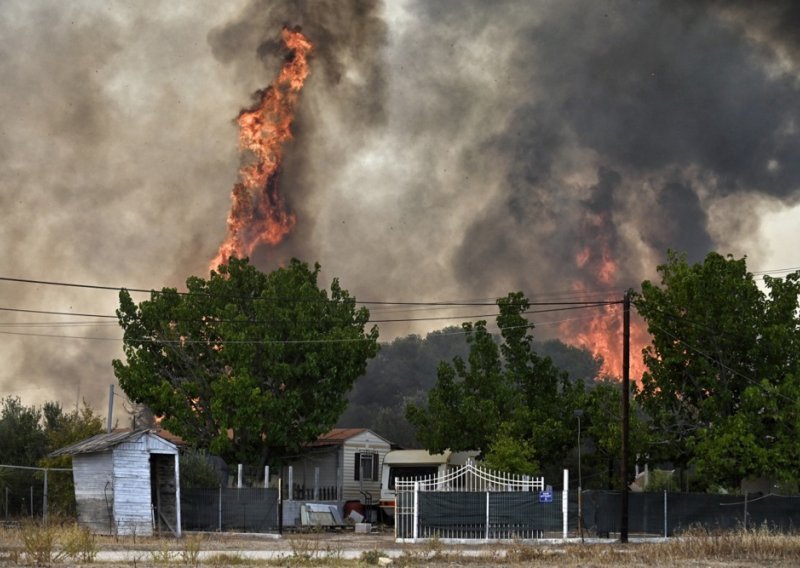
(722, 379)
(502, 391)
(247, 364)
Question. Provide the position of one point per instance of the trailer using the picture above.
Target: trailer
(415, 463)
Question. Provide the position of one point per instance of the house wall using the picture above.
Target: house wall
(364, 442)
(94, 491)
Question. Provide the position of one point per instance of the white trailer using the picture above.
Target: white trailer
(415, 463)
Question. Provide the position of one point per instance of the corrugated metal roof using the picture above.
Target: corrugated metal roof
(105, 442)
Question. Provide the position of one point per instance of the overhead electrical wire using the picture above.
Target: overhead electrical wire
(473, 317)
(442, 303)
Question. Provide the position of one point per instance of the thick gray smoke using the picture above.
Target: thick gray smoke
(443, 150)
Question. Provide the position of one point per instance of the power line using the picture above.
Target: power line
(53, 313)
(409, 320)
(443, 303)
(567, 306)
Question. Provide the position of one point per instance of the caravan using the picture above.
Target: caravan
(415, 463)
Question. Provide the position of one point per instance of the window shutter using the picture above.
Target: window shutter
(375, 472)
(358, 467)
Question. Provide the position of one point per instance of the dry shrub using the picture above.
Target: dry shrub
(525, 553)
(223, 559)
(190, 554)
(164, 554)
(39, 542)
(78, 543)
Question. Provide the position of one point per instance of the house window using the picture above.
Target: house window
(366, 466)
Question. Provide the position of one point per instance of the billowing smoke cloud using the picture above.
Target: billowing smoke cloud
(443, 150)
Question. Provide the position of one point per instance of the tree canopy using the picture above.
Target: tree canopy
(500, 393)
(247, 364)
(723, 382)
(28, 434)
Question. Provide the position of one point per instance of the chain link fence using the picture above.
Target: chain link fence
(35, 492)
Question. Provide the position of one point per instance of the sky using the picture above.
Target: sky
(442, 151)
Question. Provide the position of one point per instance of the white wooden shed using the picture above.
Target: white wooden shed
(127, 483)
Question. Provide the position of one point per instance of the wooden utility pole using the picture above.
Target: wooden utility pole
(626, 389)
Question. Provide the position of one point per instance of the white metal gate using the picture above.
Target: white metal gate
(470, 502)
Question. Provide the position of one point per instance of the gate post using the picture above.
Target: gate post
(565, 504)
(487, 515)
(415, 517)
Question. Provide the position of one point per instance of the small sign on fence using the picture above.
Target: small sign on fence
(545, 497)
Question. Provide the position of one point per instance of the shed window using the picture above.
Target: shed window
(366, 466)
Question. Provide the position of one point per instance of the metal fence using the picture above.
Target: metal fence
(248, 509)
(665, 513)
(35, 492)
(471, 502)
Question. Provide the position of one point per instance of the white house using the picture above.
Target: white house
(341, 465)
(126, 482)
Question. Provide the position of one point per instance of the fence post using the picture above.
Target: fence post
(487, 515)
(266, 477)
(316, 483)
(745, 510)
(415, 518)
(44, 498)
(219, 512)
(565, 504)
(240, 476)
(290, 484)
(665, 513)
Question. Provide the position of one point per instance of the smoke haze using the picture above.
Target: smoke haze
(443, 150)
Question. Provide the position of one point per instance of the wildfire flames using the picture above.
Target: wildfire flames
(259, 213)
(602, 333)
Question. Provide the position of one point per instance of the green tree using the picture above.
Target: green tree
(22, 437)
(722, 379)
(403, 372)
(501, 391)
(602, 428)
(62, 429)
(246, 364)
(197, 470)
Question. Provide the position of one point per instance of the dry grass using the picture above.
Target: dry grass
(68, 544)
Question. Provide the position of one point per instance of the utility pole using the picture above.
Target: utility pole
(110, 405)
(626, 389)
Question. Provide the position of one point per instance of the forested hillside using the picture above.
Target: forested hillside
(405, 370)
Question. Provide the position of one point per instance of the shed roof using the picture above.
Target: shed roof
(107, 441)
(338, 436)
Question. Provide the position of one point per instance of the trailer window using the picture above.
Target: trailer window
(405, 472)
(366, 466)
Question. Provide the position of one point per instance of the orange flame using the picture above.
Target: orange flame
(602, 333)
(259, 213)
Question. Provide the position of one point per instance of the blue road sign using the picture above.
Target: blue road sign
(546, 497)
